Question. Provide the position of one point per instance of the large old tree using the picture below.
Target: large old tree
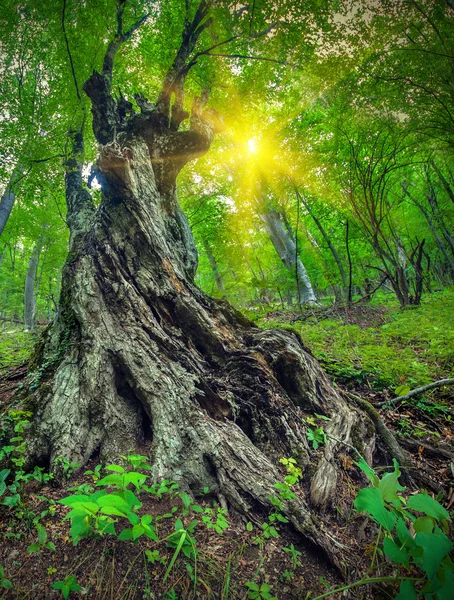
(138, 354)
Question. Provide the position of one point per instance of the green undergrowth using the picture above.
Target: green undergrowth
(413, 346)
(16, 347)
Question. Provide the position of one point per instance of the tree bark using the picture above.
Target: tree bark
(31, 284)
(9, 197)
(285, 247)
(137, 353)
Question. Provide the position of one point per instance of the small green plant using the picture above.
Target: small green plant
(42, 542)
(51, 570)
(294, 555)
(154, 556)
(215, 518)
(294, 472)
(95, 473)
(67, 586)
(259, 592)
(171, 595)
(183, 541)
(4, 582)
(66, 466)
(428, 550)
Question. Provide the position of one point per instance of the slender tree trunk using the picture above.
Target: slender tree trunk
(449, 190)
(285, 247)
(350, 265)
(214, 268)
(9, 197)
(326, 237)
(30, 289)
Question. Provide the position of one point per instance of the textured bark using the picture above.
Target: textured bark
(286, 248)
(138, 354)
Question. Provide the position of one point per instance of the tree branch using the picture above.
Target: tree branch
(418, 391)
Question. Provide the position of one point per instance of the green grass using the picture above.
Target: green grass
(15, 347)
(414, 346)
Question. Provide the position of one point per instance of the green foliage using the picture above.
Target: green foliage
(428, 549)
(4, 582)
(412, 347)
(42, 542)
(259, 592)
(67, 586)
(15, 347)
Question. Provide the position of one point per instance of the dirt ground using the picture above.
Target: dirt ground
(109, 569)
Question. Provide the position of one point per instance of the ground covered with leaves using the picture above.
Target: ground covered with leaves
(109, 533)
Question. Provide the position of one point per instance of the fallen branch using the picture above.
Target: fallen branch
(417, 391)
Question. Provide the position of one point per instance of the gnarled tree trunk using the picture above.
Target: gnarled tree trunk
(138, 353)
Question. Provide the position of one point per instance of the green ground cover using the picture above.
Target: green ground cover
(388, 346)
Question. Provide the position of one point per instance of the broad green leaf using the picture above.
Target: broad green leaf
(126, 534)
(406, 591)
(395, 553)
(33, 548)
(402, 390)
(436, 547)
(111, 480)
(42, 535)
(405, 537)
(116, 468)
(137, 531)
(370, 500)
(113, 500)
(133, 518)
(112, 510)
(71, 500)
(427, 505)
(425, 524)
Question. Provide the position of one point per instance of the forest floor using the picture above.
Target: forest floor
(371, 350)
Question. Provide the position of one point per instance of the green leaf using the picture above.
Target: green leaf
(395, 553)
(436, 547)
(405, 537)
(116, 468)
(368, 471)
(370, 500)
(114, 500)
(133, 518)
(51, 546)
(137, 531)
(58, 585)
(33, 548)
(424, 524)
(402, 390)
(71, 500)
(116, 480)
(427, 505)
(406, 591)
(126, 534)
(42, 535)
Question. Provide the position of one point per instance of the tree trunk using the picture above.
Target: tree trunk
(29, 290)
(285, 247)
(8, 198)
(214, 268)
(137, 353)
(326, 237)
